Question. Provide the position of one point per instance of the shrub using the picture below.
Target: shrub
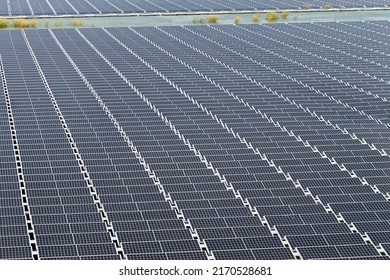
(46, 24)
(4, 23)
(284, 15)
(212, 19)
(34, 23)
(327, 7)
(256, 18)
(17, 23)
(201, 20)
(59, 24)
(78, 22)
(22, 23)
(307, 7)
(271, 16)
(237, 20)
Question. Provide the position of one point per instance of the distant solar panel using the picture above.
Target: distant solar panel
(82, 7)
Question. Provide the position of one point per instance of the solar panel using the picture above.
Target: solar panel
(192, 142)
(72, 7)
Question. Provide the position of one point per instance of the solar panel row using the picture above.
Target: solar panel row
(200, 142)
(75, 7)
(333, 173)
(13, 200)
(191, 176)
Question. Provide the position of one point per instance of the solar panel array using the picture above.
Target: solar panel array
(202, 142)
(74, 7)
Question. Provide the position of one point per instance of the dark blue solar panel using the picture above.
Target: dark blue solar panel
(69, 7)
(193, 142)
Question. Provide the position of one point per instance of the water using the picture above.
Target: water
(174, 20)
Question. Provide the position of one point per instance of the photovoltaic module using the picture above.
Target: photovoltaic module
(265, 141)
